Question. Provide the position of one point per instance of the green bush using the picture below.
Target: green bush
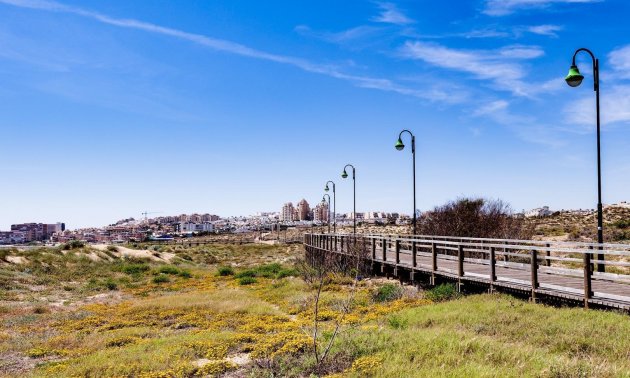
(168, 269)
(442, 292)
(161, 278)
(185, 273)
(388, 292)
(246, 273)
(134, 268)
(247, 280)
(287, 272)
(225, 271)
(268, 271)
(110, 284)
(74, 244)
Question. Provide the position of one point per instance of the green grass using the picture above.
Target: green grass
(167, 307)
(497, 336)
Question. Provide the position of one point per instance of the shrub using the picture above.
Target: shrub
(246, 273)
(112, 248)
(269, 270)
(168, 269)
(474, 217)
(287, 272)
(74, 244)
(40, 309)
(247, 280)
(121, 341)
(225, 271)
(161, 278)
(442, 293)
(185, 273)
(134, 268)
(388, 292)
(110, 284)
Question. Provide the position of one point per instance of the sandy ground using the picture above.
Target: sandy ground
(141, 253)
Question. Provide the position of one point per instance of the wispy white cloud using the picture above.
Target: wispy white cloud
(345, 36)
(491, 108)
(505, 7)
(230, 47)
(620, 61)
(615, 108)
(502, 67)
(548, 30)
(526, 127)
(390, 14)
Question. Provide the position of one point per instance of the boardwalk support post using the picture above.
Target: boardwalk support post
(534, 271)
(493, 268)
(434, 265)
(414, 263)
(460, 266)
(588, 272)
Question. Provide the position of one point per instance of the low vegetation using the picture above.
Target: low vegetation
(247, 311)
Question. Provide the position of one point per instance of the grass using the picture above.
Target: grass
(127, 317)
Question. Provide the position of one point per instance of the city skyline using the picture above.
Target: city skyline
(109, 109)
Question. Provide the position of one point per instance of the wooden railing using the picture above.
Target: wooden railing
(562, 269)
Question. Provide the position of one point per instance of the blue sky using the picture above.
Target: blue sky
(111, 108)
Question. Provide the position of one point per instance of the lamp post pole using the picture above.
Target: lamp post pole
(400, 146)
(574, 79)
(324, 201)
(354, 195)
(334, 204)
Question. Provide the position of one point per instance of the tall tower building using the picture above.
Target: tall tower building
(287, 212)
(303, 210)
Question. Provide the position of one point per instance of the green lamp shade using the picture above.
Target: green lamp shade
(326, 188)
(344, 174)
(574, 78)
(399, 145)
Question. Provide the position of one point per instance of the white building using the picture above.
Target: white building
(538, 212)
(196, 227)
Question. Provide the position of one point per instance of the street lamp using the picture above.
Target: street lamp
(344, 175)
(400, 146)
(334, 204)
(324, 202)
(574, 79)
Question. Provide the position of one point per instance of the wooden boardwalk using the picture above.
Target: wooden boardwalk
(564, 271)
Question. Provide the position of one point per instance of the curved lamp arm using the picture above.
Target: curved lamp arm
(595, 65)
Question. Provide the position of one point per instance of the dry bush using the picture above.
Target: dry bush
(474, 217)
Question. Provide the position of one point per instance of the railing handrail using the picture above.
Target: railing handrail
(515, 242)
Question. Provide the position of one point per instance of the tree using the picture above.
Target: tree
(474, 217)
(321, 268)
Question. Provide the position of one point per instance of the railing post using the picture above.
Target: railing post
(505, 257)
(493, 266)
(460, 260)
(548, 254)
(384, 245)
(534, 271)
(588, 272)
(341, 249)
(397, 249)
(413, 254)
(434, 266)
